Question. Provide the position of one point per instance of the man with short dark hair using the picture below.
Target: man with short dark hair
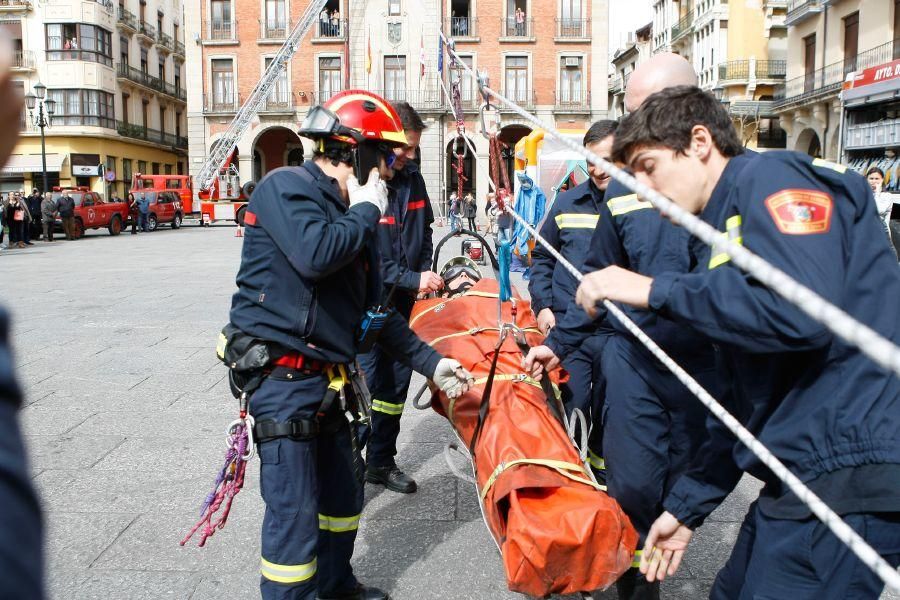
(33, 229)
(568, 228)
(404, 241)
(828, 412)
(66, 208)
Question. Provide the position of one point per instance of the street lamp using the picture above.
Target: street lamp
(46, 108)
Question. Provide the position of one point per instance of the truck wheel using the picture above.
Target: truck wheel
(176, 222)
(115, 226)
(248, 188)
(239, 217)
(78, 233)
(151, 222)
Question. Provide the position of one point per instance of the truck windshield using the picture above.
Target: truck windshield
(76, 196)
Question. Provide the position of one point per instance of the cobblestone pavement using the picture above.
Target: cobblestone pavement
(125, 408)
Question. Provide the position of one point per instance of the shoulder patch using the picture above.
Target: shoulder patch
(627, 204)
(819, 162)
(801, 212)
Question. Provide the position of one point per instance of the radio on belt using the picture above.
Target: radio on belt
(373, 323)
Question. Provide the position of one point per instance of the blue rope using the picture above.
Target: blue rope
(504, 259)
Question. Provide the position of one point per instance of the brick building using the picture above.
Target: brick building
(553, 60)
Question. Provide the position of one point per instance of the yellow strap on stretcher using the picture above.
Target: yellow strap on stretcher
(563, 468)
(514, 377)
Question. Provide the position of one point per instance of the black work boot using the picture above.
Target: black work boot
(632, 585)
(360, 593)
(392, 478)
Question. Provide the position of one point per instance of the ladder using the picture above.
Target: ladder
(245, 115)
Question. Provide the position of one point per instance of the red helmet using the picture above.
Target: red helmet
(369, 114)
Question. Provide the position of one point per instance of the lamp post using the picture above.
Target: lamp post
(46, 108)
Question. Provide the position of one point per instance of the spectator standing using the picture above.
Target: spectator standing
(520, 22)
(48, 216)
(132, 212)
(884, 201)
(16, 221)
(471, 211)
(452, 210)
(324, 22)
(491, 208)
(143, 204)
(335, 23)
(66, 208)
(4, 200)
(34, 210)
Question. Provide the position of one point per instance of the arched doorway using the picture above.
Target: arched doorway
(269, 150)
(808, 141)
(510, 135)
(469, 168)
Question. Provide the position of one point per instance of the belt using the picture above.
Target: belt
(300, 363)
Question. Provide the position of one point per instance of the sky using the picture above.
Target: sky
(626, 16)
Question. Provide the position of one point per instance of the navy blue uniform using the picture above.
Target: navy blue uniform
(568, 227)
(822, 407)
(652, 424)
(21, 556)
(405, 241)
(308, 272)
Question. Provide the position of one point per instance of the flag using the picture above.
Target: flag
(368, 53)
(422, 57)
(440, 63)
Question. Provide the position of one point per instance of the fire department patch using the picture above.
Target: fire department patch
(800, 212)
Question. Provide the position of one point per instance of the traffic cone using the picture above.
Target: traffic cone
(239, 232)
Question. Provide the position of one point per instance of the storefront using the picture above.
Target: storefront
(21, 169)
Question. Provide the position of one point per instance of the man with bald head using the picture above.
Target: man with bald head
(652, 425)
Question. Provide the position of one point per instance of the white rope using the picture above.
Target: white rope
(849, 329)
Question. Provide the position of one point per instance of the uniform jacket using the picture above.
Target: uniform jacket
(66, 206)
(309, 271)
(818, 404)
(632, 234)
(404, 231)
(48, 208)
(568, 228)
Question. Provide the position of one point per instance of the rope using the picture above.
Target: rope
(867, 340)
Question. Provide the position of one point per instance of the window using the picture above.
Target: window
(394, 8)
(276, 19)
(22, 122)
(466, 85)
(178, 124)
(175, 31)
(517, 78)
(571, 22)
(156, 168)
(125, 98)
(570, 80)
(162, 119)
(142, 167)
(517, 22)
(126, 170)
(851, 41)
(395, 78)
(168, 169)
(329, 77)
(78, 41)
(809, 58)
(461, 22)
(280, 96)
(177, 76)
(83, 107)
(220, 19)
(223, 83)
(123, 51)
(162, 69)
(145, 64)
(159, 22)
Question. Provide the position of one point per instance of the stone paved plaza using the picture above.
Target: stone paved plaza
(126, 405)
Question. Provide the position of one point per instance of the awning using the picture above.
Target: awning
(31, 163)
(872, 85)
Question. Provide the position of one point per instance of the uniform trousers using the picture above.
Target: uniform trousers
(585, 391)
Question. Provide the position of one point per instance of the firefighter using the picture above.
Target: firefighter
(652, 425)
(309, 270)
(568, 227)
(404, 240)
(824, 409)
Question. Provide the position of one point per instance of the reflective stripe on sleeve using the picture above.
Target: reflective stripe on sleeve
(576, 221)
(627, 204)
(636, 561)
(287, 573)
(732, 233)
(338, 524)
(597, 462)
(387, 408)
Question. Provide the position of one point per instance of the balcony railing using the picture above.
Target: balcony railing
(225, 103)
(15, 5)
(510, 28)
(23, 60)
(273, 29)
(761, 109)
(179, 48)
(166, 41)
(873, 135)
(147, 30)
(524, 98)
(419, 99)
(798, 10)
(568, 100)
(221, 31)
(829, 79)
(683, 26)
(331, 31)
(569, 29)
(616, 84)
(127, 19)
(741, 70)
(149, 81)
(139, 132)
(279, 101)
(462, 27)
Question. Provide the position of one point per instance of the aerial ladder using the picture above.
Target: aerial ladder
(220, 193)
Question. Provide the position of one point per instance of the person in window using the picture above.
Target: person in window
(324, 22)
(520, 22)
(335, 23)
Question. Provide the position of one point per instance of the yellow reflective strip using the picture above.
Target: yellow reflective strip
(819, 162)
(636, 561)
(220, 346)
(561, 467)
(626, 204)
(387, 408)
(339, 524)
(287, 573)
(598, 462)
(576, 221)
(733, 234)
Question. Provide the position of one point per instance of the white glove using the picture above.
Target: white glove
(375, 191)
(452, 378)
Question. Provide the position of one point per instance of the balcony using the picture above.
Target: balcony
(273, 30)
(139, 132)
(147, 32)
(873, 135)
(462, 28)
(524, 98)
(221, 104)
(220, 33)
(278, 102)
(828, 80)
(511, 31)
(683, 27)
(145, 80)
(14, 6)
(760, 109)
(166, 42)
(799, 10)
(23, 61)
(421, 100)
(616, 84)
(330, 32)
(573, 30)
(568, 101)
(748, 70)
(126, 20)
(179, 49)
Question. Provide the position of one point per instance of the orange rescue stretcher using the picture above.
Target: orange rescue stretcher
(557, 530)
